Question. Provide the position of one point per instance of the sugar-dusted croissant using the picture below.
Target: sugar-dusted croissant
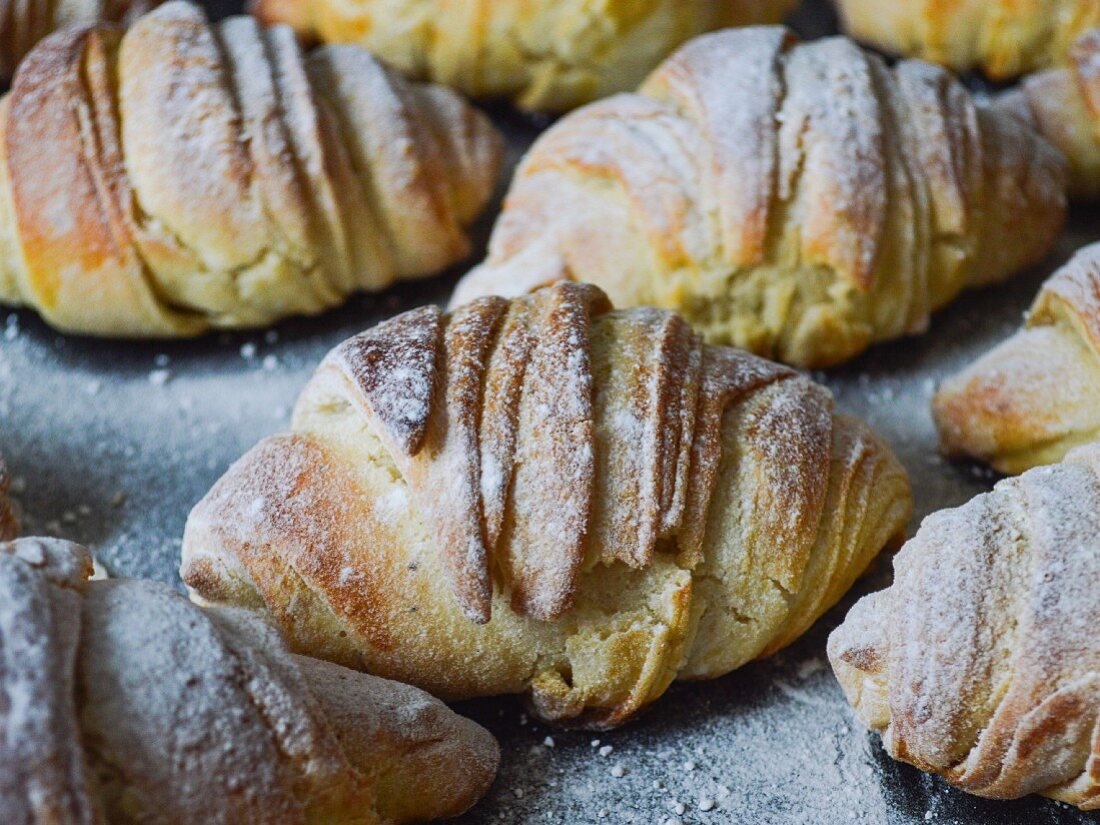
(9, 524)
(982, 662)
(1003, 38)
(24, 22)
(187, 176)
(801, 201)
(547, 55)
(1035, 397)
(1064, 105)
(125, 703)
(545, 496)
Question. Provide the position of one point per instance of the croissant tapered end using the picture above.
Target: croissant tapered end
(233, 180)
(981, 662)
(137, 691)
(1036, 396)
(725, 190)
(597, 493)
(1063, 104)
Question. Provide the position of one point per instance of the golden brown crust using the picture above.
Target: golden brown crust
(547, 55)
(1063, 104)
(1003, 38)
(726, 190)
(1036, 396)
(214, 176)
(23, 24)
(136, 693)
(594, 492)
(981, 663)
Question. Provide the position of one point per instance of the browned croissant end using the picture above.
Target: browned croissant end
(130, 704)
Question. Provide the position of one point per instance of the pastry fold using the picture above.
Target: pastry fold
(549, 497)
(981, 662)
(122, 702)
(185, 176)
(802, 201)
(1035, 397)
(1063, 104)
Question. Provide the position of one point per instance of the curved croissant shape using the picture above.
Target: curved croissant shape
(125, 703)
(9, 524)
(736, 190)
(1064, 105)
(24, 22)
(1037, 396)
(187, 176)
(1003, 38)
(982, 662)
(545, 496)
(547, 55)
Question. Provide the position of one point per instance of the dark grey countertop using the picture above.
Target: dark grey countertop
(112, 443)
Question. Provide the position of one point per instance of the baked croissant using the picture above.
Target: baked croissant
(24, 22)
(547, 55)
(1035, 397)
(1064, 105)
(125, 703)
(1003, 38)
(982, 662)
(801, 201)
(544, 496)
(185, 176)
(9, 524)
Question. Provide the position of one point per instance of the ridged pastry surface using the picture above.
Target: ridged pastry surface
(1035, 397)
(122, 702)
(187, 176)
(981, 662)
(547, 496)
(547, 55)
(800, 200)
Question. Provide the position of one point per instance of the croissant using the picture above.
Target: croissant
(544, 496)
(801, 201)
(1036, 396)
(187, 176)
(547, 55)
(9, 524)
(982, 663)
(1064, 105)
(24, 22)
(1003, 38)
(148, 709)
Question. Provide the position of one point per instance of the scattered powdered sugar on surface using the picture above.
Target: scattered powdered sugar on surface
(137, 457)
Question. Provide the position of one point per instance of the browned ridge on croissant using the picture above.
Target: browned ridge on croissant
(183, 176)
(122, 702)
(1035, 397)
(981, 662)
(801, 200)
(25, 22)
(545, 495)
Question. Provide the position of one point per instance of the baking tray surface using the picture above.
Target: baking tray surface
(111, 443)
